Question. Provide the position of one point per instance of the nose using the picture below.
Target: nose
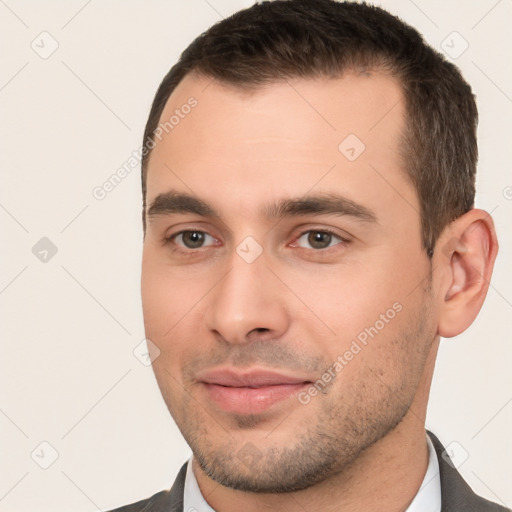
(247, 304)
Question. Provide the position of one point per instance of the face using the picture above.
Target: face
(284, 284)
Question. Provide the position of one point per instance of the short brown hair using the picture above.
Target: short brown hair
(275, 40)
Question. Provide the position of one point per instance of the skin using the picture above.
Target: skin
(296, 308)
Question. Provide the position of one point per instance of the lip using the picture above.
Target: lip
(252, 378)
(249, 392)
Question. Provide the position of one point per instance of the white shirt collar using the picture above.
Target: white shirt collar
(193, 500)
(427, 499)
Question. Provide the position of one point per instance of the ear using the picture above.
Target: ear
(465, 255)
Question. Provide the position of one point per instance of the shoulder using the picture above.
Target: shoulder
(156, 503)
(170, 500)
(456, 494)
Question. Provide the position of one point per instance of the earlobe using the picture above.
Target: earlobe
(469, 249)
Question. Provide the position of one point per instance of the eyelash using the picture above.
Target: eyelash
(170, 239)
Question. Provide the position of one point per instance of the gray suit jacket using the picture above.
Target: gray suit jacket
(456, 495)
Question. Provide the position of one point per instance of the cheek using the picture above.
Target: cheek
(349, 298)
(383, 363)
(172, 301)
(371, 309)
(167, 293)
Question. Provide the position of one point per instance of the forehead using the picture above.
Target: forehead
(282, 139)
(366, 104)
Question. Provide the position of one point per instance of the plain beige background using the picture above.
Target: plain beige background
(70, 324)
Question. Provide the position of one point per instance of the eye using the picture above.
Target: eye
(191, 239)
(319, 239)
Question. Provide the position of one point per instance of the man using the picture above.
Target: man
(310, 234)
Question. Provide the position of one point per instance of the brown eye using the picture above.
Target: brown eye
(318, 239)
(192, 239)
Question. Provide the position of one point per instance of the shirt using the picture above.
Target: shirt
(427, 499)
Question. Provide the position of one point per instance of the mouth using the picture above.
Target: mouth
(250, 392)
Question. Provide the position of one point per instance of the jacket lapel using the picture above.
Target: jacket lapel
(456, 495)
(175, 496)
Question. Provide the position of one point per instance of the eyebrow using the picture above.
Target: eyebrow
(174, 202)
